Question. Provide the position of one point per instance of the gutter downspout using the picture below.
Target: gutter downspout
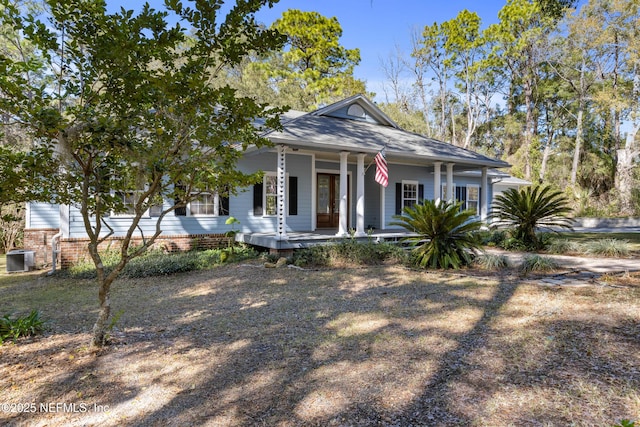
(54, 252)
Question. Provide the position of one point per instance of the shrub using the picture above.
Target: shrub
(158, 263)
(494, 237)
(538, 263)
(14, 328)
(349, 251)
(492, 262)
(607, 247)
(563, 246)
(446, 235)
(530, 209)
(513, 244)
(316, 256)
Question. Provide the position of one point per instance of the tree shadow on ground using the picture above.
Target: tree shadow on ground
(320, 361)
(244, 346)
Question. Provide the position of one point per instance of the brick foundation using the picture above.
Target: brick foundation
(74, 250)
(39, 240)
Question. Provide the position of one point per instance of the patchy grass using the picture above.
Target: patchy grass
(607, 247)
(492, 261)
(242, 345)
(632, 238)
(538, 263)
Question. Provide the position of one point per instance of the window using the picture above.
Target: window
(265, 196)
(270, 194)
(473, 198)
(409, 193)
(203, 205)
(129, 199)
(469, 196)
(443, 196)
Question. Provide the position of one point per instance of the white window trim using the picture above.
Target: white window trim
(216, 205)
(410, 182)
(466, 202)
(264, 194)
(443, 193)
(145, 214)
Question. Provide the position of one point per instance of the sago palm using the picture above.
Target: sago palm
(446, 235)
(529, 210)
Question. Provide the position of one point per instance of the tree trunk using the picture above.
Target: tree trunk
(100, 327)
(528, 136)
(546, 153)
(624, 174)
(443, 115)
(576, 152)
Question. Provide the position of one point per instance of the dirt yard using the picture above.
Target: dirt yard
(381, 346)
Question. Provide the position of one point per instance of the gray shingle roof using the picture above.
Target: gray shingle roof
(327, 133)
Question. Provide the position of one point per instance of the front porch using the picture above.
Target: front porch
(305, 239)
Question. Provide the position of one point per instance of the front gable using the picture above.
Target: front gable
(357, 108)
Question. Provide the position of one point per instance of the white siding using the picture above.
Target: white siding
(43, 215)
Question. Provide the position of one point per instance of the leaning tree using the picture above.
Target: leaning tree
(132, 108)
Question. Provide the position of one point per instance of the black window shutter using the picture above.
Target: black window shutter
(257, 200)
(398, 198)
(293, 195)
(420, 193)
(224, 205)
(181, 211)
(461, 196)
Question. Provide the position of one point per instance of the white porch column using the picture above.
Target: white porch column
(344, 205)
(450, 190)
(360, 203)
(437, 182)
(484, 195)
(281, 231)
(383, 212)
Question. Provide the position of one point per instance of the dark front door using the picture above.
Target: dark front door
(328, 200)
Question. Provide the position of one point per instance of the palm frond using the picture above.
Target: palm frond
(446, 235)
(531, 209)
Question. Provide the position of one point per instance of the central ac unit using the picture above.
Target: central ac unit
(21, 260)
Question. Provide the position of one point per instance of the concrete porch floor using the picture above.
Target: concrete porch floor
(305, 239)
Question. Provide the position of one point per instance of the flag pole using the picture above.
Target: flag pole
(374, 158)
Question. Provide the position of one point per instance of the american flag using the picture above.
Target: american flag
(382, 172)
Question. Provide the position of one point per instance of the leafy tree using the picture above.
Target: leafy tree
(464, 46)
(555, 8)
(574, 62)
(529, 210)
(314, 66)
(429, 54)
(132, 111)
(519, 49)
(446, 235)
(314, 69)
(14, 141)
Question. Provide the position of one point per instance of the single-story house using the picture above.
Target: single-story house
(319, 182)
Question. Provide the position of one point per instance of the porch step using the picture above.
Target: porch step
(302, 240)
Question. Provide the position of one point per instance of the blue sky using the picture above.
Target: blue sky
(376, 27)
